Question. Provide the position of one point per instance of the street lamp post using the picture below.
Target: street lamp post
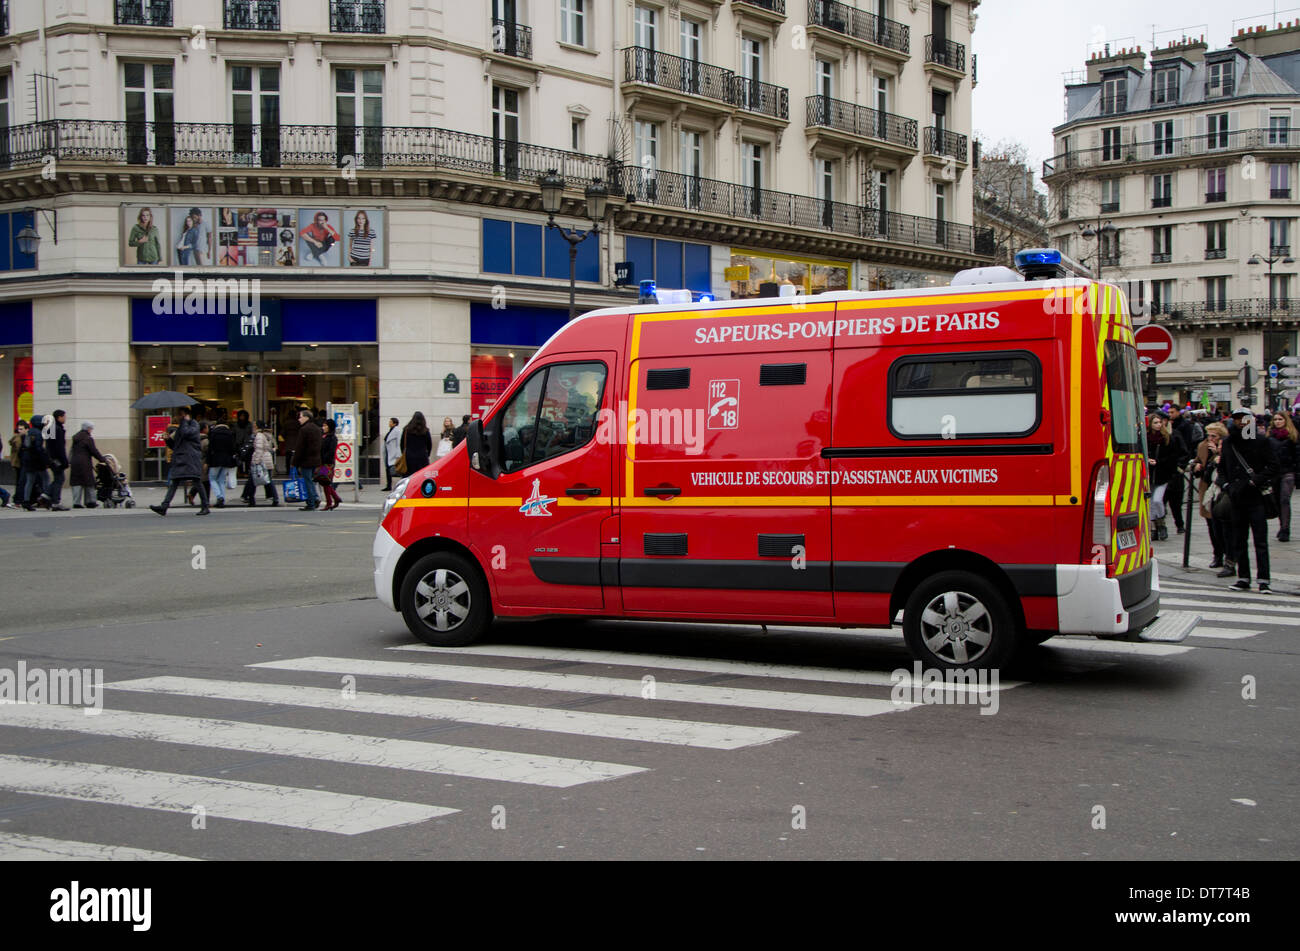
(597, 195)
(1088, 231)
(1257, 259)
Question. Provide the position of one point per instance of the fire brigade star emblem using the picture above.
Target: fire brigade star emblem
(535, 504)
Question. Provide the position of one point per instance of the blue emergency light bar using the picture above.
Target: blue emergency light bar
(1048, 264)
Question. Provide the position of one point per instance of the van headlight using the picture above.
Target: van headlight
(399, 490)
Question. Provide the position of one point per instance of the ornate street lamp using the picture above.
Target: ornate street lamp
(597, 195)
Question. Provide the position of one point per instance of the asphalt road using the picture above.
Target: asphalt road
(552, 730)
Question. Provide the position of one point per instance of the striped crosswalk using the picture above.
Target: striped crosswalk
(630, 706)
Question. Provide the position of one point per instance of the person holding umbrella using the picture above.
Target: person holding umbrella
(187, 462)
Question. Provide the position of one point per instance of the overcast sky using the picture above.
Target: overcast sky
(1024, 47)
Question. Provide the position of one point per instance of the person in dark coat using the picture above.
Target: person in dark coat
(1283, 438)
(35, 460)
(328, 455)
(187, 462)
(461, 432)
(307, 458)
(1247, 467)
(221, 459)
(56, 447)
(244, 431)
(417, 444)
(83, 470)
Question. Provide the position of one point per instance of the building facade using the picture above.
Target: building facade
(364, 175)
(1189, 156)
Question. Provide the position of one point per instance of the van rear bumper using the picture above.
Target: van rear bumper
(1088, 602)
(386, 554)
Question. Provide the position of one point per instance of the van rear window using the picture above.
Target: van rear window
(965, 396)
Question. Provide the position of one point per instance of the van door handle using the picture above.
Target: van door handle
(662, 490)
(583, 490)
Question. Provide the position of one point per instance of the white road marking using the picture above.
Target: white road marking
(1232, 617)
(1227, 633)
(311, 809)
(742, 668)
(38, 848)
(1085, 642)
(319, 745)
(718, 736)
(606, 686)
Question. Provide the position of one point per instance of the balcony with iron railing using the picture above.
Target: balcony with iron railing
(357, 16)
(142, 12)
(762, 98)
(772, 9)
(861, 122)
(511, 38)
(859, 25)
(942, 142)
(1215, 254)
(1161, 257)
(1279, 193)
(945, 53)
(1162, 201)
(1109, 207)
(1110, 260)
(1215, 196)
(251, 14)
(1279, 251)
(667, 72)
(1173, 150)
(1257, 310)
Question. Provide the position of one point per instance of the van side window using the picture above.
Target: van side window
(554, 412)
(965, 395)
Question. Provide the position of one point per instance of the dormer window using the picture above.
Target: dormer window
(1114, 96)
(1165, 86)
(1218, 82)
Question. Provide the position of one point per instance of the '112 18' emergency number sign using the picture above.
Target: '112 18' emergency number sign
(724, 404)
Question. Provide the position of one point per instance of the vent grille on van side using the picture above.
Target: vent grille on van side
(663, 543)
(782, 374)
(678, 378)
(778, 546)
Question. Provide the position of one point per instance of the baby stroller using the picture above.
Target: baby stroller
(112, 488)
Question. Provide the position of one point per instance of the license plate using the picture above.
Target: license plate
(1127, 539)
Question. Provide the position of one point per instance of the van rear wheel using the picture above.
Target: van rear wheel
(959, 620)
(444, 600)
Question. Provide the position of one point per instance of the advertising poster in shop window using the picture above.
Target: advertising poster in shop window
(364, 229)
(144, 235)
(191, 230)
(319, 242)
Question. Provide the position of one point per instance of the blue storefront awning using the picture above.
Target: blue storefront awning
(313, 320)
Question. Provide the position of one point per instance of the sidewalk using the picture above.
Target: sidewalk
(371, 498)
(1284, 558)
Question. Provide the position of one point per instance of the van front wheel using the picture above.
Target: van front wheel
(444, 600)
(959, 620)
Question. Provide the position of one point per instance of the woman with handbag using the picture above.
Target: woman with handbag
(1208, 491)
(261, 467)
(1282, 437)
(325, 473)
(417, 444)
(448, 437)
(1166, 448)
(1248, 469)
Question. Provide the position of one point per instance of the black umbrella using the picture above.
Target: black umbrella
(164, 399)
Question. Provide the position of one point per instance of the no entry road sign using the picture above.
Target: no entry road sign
(1155, 345)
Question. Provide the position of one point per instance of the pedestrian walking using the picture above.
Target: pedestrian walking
(392, 449)
(325, 473)
(1249, 470)
(244, 432)
(35, 461)
(187, 462)
(221, 460)
(261, 467)
(448, 437)
(306, 457)
(16, 458)
(1208, 491)
(1185, 431)
(56, 447)
(1167, 454)
(462, 431)
(1282, 438)
(417, 443)
(83, 470)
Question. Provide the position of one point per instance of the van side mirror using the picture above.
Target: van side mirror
(482, 448)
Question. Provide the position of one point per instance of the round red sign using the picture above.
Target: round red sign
(1155, 345)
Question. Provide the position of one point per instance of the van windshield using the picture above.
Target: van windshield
(1122, 381)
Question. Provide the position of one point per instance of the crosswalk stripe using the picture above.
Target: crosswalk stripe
(311, 809)
(315, 744)
(1233, 617)
(1254, 604)
(1086, 642)
(1227, 633)
(584, 683)
(38, 848)
(704, 665)
(719, 736)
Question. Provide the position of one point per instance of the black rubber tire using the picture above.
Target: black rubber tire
(471, 626)
(1004, 634)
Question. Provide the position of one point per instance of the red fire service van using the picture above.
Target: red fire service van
(971, 456)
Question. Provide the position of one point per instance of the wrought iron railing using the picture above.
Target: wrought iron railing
(1255, 308)
(1165, 149)
(1160, 257)
(1215, 254)
(252, 15)
(512, 39)
(1216, 196)
(859, 24)
(1109, 207)
(945, 53)
(1115, 102)
(859, 120)
(1161, 201)
(773, 6)
(943, 142)
(763, 98)
(1279, 193)
(643, 65)
(357, 16)
(142, 12)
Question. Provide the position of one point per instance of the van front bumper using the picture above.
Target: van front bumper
(1088, 602)
(386, 553)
